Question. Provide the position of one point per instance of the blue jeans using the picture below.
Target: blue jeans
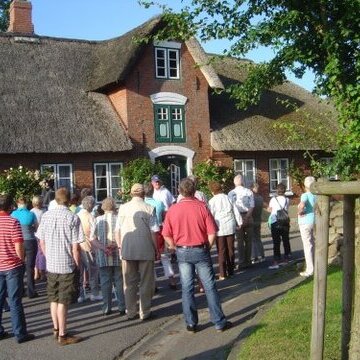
(109, 276)
(198, 259)
(12, 281)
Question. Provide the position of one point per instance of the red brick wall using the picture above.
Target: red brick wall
(119, 99)
(82, 164)
(20, 17)
(141, 83)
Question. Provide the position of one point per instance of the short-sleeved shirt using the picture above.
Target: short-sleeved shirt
(243, 198)
(222, 210)
(27, 220)
(309, 214)
(10, 234)
(104, 231)
(159, 208)
(38, 214)
(277, 203)
(189, 223)
(60, 229)
(165, 196)
(87, 221)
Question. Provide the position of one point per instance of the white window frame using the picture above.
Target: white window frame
(108, 176)
(278, 175)
(56, 173)
(240, 168)
(167, 63)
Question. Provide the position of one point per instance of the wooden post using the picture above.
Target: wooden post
(320, 277)
(354, 352)
(348, 272)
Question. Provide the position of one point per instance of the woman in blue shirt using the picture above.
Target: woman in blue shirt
(27, 220)
(306, 220)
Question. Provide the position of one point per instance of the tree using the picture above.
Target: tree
(321, 35)
(4, 14)
(140, 171)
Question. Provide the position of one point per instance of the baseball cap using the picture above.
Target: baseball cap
(137, 189)
(155, 178)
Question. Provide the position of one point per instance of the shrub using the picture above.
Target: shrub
(139, 171)
(211, 170)
(21, 181)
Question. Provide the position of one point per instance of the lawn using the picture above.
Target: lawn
(285, 330)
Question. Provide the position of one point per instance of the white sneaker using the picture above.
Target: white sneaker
(274, 266)
(305, 274)
(95, 297)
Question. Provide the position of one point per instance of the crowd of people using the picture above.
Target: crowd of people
(76, 245)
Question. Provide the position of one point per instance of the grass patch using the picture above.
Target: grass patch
(285, 331)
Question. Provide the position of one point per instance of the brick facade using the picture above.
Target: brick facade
(82, 163)
(262, 159)
(134, 106)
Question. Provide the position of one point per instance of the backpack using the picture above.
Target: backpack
(282, 216)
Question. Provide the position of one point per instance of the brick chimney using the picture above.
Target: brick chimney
(20, 17)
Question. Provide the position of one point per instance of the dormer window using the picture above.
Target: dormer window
(167, 60)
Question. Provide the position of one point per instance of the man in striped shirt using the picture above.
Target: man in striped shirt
(12, 270)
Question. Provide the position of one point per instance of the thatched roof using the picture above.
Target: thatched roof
(253, 129)
(51, 91)
(113, 59)
(44, 105)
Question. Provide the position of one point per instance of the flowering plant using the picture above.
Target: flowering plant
(212, 170)
(22, 182)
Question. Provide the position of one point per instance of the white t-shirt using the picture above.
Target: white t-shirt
(165, 196)
(277, 203)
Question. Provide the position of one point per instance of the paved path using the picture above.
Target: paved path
(113, 337)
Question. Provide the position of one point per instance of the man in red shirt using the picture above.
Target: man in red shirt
(12, 271)
(191, 229)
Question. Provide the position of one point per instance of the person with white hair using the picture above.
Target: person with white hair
(103, 239)
(306, 220)
(88, 260)
(40, 262)
(243, 199)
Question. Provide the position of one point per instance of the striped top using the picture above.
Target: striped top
(10, 234)
(104, 232)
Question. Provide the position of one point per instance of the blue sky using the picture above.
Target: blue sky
(105, 19)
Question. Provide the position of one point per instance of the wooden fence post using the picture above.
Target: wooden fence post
(354, 352)
(348, 272)
(320, 277)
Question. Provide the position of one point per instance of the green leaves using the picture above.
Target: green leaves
(4, 14)
(322, 35)
(139, 171)
(21, 181)
(211, 170)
